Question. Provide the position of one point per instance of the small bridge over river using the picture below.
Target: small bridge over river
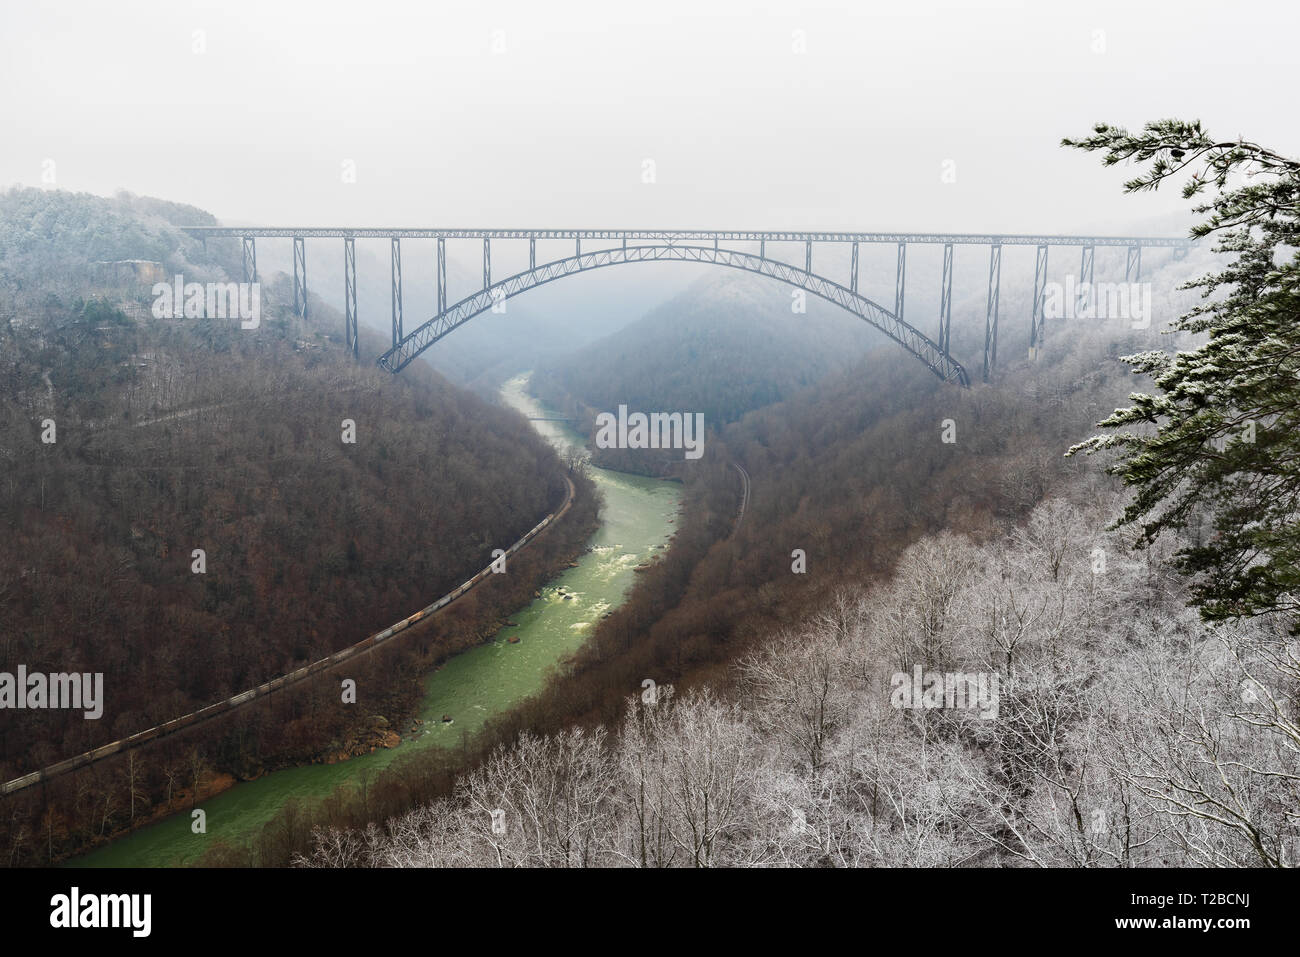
(747, 250)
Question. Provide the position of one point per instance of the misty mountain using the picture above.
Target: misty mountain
(728, 344)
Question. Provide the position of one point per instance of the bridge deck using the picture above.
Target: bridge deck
(684, 235)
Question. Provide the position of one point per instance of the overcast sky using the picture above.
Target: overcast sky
(543, 114)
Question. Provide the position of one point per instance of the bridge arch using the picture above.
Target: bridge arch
(909, 337)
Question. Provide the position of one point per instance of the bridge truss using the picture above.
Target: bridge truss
(717, 247)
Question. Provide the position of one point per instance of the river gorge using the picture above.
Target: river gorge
(636, 523)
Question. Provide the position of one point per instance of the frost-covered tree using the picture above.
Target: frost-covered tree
(1222, 436)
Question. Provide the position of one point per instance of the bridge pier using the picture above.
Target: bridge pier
(1133, 266)
(442, 275)
(853, 270)
(945, 301)
(807, 257)
(1084, 296)
(397, 290)
(991, 311)
(900, 280)
(350, 332)
(250, 259)
(532, 255)
(300, 277)
(1040, 293)
(487, 262)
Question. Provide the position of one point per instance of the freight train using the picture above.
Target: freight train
(275, 684)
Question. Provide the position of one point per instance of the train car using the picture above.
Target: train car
(140, 737)
(105, 751)
(65, 765)
(175, 724)
(26, 781)
(241, 698)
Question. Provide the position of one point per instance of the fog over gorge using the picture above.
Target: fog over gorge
(855, 442)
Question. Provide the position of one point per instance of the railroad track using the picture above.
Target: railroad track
(365, 646)
(744, 495)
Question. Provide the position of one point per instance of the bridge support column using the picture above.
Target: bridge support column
(807, 257)
(762, 249)
(945, 300)
(397, 290)
(532, 252)
(351, 335)
(1040, 291)
(250, 259)
(853, 270)
(1084, 296)
(991, 311)
(487, 263)
(299, 277)
(900, 280)
(442, 275)
(1133, 267)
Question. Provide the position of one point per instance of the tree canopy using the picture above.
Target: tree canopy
(1222, 442)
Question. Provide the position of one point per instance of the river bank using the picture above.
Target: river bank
(637, 522)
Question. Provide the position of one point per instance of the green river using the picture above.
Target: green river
(636, 521)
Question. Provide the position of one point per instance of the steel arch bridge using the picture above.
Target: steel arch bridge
(910, 338)
(693, 246)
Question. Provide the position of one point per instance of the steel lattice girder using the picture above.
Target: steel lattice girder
(1084, 295)
(900, 280)
(299, 277)
(397, 290)
(1040, 293)
(1133, 264)
(945, 301)
(910, 338)
(350, 331)
(991, 311)
(685, 235)
(250, 257)
(442, 275)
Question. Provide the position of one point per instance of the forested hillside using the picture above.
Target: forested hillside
(130, 442)
(1121, 738)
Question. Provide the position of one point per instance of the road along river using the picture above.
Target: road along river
(636, 523)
